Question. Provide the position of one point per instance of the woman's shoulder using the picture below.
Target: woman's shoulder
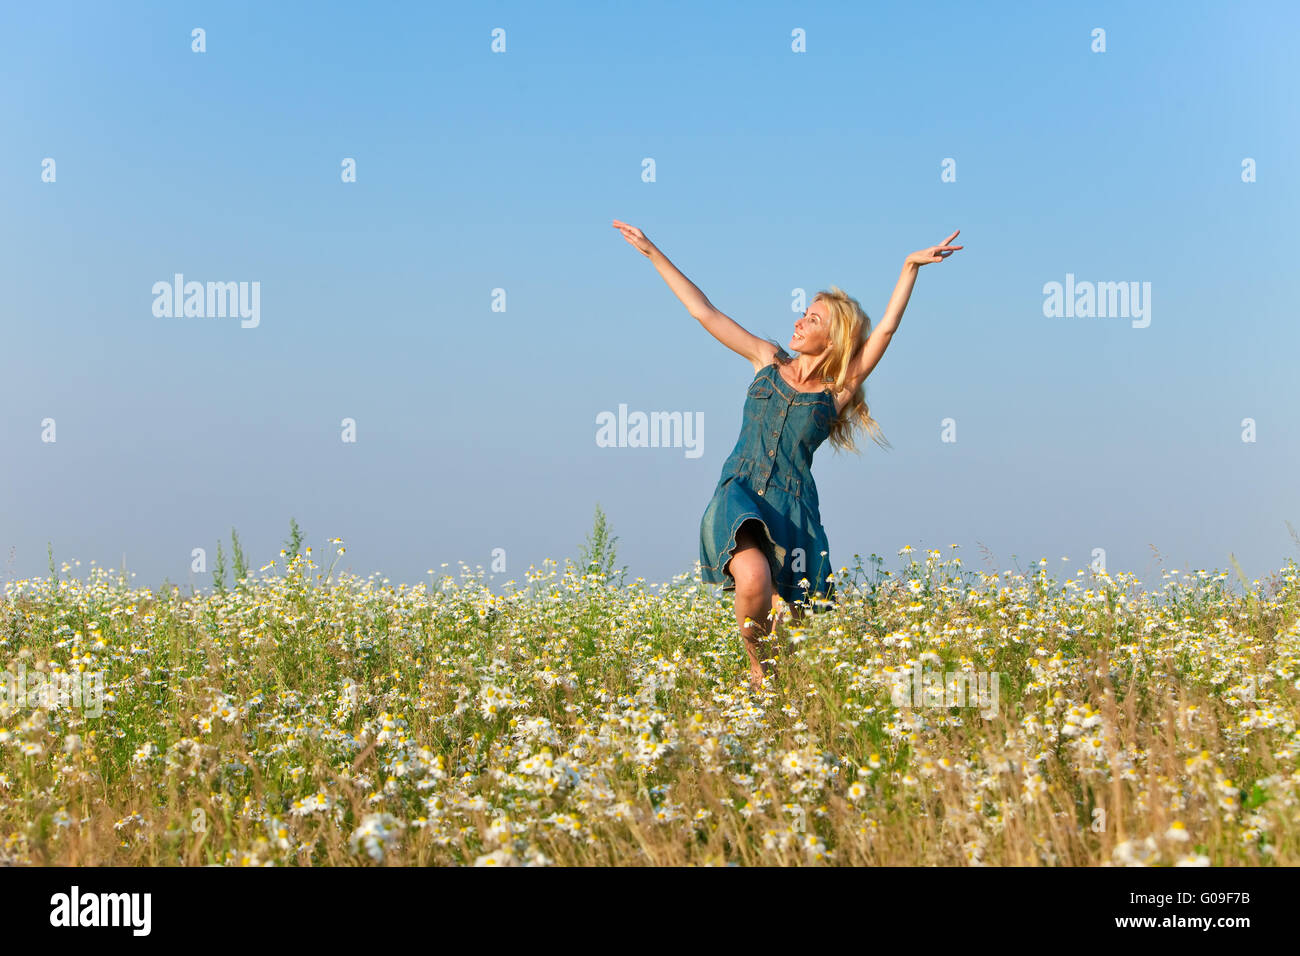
(777, 353)
(770, 352)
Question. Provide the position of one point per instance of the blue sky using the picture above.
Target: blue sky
(774, 171)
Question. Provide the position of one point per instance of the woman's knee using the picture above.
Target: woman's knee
(750, 570)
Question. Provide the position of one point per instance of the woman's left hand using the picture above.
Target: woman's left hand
(934, 253)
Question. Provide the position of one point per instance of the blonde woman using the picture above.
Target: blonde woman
(761, 534)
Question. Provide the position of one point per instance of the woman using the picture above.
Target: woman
(761, 533)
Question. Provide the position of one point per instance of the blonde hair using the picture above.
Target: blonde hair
(849, 328)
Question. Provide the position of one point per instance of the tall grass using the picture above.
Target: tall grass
(307, 719)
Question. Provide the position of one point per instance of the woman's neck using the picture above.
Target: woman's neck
(803, 369)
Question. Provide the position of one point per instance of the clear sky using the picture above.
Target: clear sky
(774, 171)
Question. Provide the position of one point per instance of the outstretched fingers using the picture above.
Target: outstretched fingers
(944, 249)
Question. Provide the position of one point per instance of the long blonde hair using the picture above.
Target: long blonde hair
(849, 328)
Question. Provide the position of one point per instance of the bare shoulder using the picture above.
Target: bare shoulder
(765, 355)
(845, 395)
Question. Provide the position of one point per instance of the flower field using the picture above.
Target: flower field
(302, 719)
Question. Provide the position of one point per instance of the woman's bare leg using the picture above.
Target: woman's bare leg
(783, 612)
(755, 599)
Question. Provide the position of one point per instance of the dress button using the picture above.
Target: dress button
(760, 491)
(771, 453)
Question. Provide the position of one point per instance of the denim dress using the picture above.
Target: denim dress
(768, 477)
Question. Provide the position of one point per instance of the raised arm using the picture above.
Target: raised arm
(722, 327)
(871, 351)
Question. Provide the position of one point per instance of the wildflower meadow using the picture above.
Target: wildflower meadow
(300, 717)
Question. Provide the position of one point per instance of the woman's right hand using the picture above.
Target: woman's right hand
(636, 237)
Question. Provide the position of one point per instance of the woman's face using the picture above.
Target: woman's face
(812, 334)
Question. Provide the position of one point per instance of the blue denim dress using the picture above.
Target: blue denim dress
(768, 477)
